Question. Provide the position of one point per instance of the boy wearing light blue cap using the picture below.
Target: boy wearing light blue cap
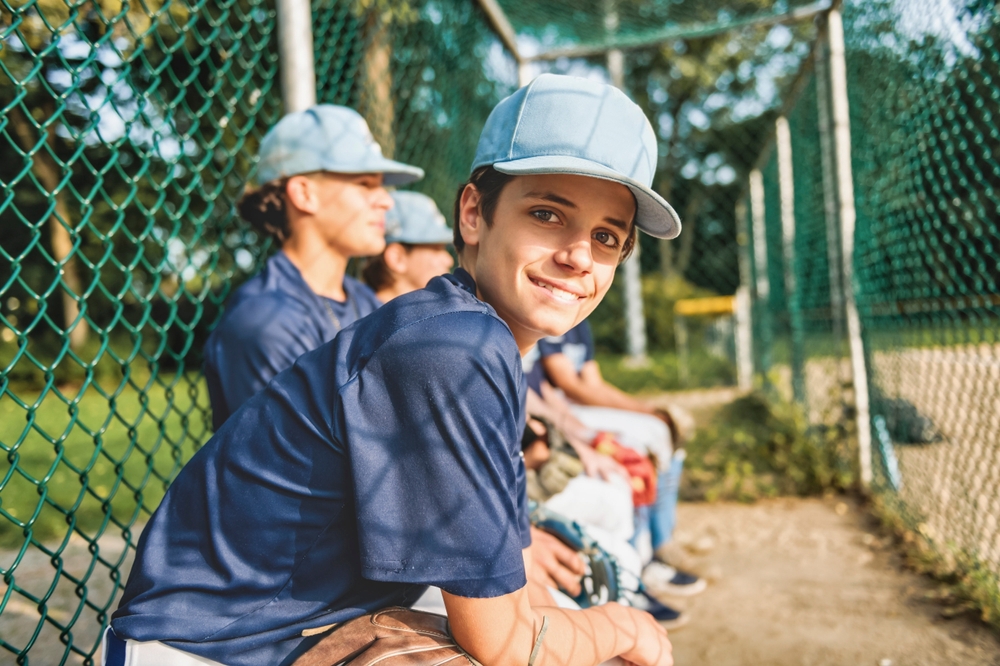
(389, 459)
(323, 200)
(416, 247)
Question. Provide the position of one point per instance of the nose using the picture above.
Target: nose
(381, 199)
(576, 256)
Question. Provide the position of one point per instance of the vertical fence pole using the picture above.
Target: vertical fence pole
(786, 189)
(761, 282)
(848, 218)
(295, 48)
(744, 303)
(828, 163)
(635, 320)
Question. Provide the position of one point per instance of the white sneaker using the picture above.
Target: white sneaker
(660, 578)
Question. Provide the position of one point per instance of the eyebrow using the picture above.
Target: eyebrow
(555, 198)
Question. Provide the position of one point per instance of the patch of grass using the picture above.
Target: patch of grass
(969, 584)
(77, 457)
(758, 446)
(663, 374)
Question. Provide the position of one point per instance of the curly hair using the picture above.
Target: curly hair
(265, 209)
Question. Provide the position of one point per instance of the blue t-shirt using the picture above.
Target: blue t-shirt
(270, 321)
(384, 461)
(534, 374)
(577, 344)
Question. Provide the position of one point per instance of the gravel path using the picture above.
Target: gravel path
(808, 582)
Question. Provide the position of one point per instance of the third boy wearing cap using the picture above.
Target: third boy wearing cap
(323, 200)
(416, 247)
(389, 458)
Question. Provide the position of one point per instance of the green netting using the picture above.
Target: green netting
(425, 75)
(923, 89)
(593, 25)
(923, 108)
(127, 132)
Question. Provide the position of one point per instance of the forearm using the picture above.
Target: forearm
(612, 396)
(584, 637)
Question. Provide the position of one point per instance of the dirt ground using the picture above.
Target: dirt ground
(808, 582)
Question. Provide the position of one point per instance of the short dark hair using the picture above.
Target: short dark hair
(265, 209)
(490, 183)
(376, 273)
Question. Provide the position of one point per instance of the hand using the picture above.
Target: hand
(651, 646)
(599, 465)
(555, 564)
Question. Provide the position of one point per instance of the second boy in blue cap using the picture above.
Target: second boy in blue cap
(389, 459)
(323, 200)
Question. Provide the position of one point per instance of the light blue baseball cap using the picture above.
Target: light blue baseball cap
(415, 219)
(330, 138)
(566, 124)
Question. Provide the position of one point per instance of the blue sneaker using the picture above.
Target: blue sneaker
(669, 618)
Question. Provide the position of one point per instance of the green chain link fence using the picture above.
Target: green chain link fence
(128, 130)
(923, 81)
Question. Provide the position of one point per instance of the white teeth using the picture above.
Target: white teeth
(561, 294)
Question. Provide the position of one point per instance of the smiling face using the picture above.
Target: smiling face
(550, 254)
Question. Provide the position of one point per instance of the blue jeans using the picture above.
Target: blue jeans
(660, 518)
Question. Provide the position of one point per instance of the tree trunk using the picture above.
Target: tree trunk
(667, 259)
(45, 169)
(376, 101)
(683, 258)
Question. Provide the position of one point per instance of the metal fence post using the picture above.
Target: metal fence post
(295, 46)
(635, 320)
(848, 216)
(743, 309)
(828, 162)
(762, 282)
(786, 185)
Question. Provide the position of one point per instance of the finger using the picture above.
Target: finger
(541, 576)
(567, 581)
(572, 560)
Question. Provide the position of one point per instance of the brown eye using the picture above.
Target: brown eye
(543, 215)
(605, 238)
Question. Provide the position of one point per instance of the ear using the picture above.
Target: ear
(301, 193)
(469, 218)
(395, 256)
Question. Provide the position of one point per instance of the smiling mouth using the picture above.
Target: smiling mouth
(557, 293)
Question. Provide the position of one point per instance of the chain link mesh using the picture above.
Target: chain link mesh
(922, 82)
(127, 132)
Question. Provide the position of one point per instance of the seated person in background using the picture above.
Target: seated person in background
(323, 201)
(389, 458)
(568, 364)
(416, 247)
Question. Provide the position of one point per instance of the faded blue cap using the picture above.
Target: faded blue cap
(415, 219)
(566, 124)
(327, 138)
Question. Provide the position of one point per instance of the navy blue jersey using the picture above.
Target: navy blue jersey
(379, 463)
(577, 345)
(270, 321)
